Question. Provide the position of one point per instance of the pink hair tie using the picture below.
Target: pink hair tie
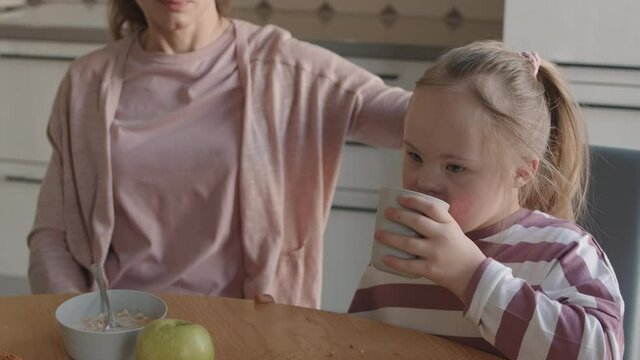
(534, 59)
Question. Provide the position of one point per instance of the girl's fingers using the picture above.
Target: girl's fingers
(414, 246)
(412, 266)
(430, 209)
(418, 222)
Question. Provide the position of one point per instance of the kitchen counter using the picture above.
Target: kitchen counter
(409, 38)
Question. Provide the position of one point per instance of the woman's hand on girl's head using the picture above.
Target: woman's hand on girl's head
(446, 255)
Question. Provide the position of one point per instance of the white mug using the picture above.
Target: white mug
(389, 198)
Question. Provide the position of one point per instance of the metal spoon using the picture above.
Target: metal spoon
(96, 270)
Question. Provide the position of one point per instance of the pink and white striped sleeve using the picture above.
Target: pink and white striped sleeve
(575, 313)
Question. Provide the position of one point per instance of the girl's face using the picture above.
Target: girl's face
(447, 156)
(175, 15)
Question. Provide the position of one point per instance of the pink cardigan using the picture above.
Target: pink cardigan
(301, 103)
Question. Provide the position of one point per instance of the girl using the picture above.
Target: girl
(497, 135)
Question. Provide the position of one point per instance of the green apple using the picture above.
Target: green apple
(173, 339)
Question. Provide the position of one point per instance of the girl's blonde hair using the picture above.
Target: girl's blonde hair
(531, 115)
(126, 15)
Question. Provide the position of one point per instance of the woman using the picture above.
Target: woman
(199, 154)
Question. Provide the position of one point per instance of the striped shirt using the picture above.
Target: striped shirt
(546, 291)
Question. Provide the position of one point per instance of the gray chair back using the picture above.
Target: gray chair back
(614, 219)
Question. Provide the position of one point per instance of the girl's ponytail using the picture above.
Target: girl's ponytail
(565, 166)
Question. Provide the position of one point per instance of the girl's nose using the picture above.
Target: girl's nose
(429, 184)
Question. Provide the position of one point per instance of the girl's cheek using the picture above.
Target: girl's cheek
(460, 210)
(409, 181)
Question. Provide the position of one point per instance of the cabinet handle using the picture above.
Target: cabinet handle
(353, 208)
(355, 143)
(64, 58)
(23, 179)
(388, 77)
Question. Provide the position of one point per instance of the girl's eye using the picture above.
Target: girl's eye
(454, 168)
(415, 157)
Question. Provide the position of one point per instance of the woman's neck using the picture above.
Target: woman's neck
(185, 39)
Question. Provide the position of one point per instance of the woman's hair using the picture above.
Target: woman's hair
(126, 15)
(531, 115)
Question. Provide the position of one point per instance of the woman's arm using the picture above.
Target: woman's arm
(51, 265)
(348, 95)
(379, 119)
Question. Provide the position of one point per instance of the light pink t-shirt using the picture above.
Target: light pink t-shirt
(175, 153)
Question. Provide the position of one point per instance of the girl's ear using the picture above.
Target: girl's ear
(525, 172)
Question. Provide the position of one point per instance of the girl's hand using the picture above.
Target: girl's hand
(446, 255)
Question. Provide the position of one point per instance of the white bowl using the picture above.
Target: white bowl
(100, 345)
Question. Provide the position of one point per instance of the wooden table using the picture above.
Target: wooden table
(241, 330)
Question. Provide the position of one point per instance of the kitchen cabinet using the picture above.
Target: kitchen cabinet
(347, 243)
(26, 105)
(586, 32)
(365, 168)
(596, 49)
(613, 127)
(610, 101)
(401, 73)
(349, 231)
(19, 186)
(31, 73)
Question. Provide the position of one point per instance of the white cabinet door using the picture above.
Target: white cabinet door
(363, 170)
(347, 252)
(19, 187)
(604, 87)
(27, 91)
(401, 73)
(576, 31)
(610, 100)
(613, 127)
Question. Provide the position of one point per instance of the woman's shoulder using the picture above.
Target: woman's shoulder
(273, 41)
(272, 44)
